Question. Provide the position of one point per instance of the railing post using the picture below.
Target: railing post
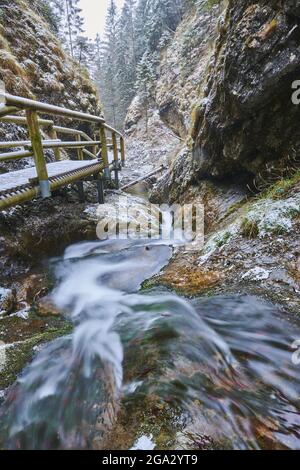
(95, 149)
(100, 189)
(104, 152)
(39, 157)
(53, 135)
(116, 158)
(122, 144)
(79, 151)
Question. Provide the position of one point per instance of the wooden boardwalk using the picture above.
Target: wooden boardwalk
(10, 182)
(19, 186)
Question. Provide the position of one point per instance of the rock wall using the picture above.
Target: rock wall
(33, 65)
(247, 124)
(244, 127)
(182, 71)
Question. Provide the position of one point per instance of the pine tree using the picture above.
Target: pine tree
(52, 11)
(84, 51)
(126, 58)
(109, 95)
(96, 67)
(73, 23)
(146, 76)
(163, 18)
(142, 14)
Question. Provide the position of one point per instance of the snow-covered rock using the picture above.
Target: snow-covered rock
(256, 274)
(6, 300)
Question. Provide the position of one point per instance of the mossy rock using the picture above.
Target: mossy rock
(22, 335)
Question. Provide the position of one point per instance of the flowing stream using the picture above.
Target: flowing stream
(150, 369)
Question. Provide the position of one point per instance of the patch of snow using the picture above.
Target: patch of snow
(218, 240)
(5, 294)
(144, 443)
(24, 313)
(123, 209)
(2, 355)
(269, 215)
(274, 216)
(202, 259)
(256, 274)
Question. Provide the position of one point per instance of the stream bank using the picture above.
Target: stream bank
(251, 244)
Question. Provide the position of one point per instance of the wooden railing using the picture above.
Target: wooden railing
(96, 147)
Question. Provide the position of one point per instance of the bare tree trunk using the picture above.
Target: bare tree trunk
(69, 28)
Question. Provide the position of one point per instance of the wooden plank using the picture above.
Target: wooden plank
(142, 178)
(53, 136)
(79, 151)
(18, 155)
(39, 157)
(6, 110)
(16, 102)
(116, 158)
(14, 179)
(20, 195)
(122, 145)
(22, 121)
(115, 147)
(104, 152)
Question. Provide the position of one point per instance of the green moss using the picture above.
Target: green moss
(209, 4)
(234, 208)
(18, 355)
(281, 187)
(223, 239)
(149, 284)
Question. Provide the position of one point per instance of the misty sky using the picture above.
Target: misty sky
(94, 12)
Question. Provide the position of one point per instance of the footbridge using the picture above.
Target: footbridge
(97, 156)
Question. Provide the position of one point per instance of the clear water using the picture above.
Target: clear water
(215, 370)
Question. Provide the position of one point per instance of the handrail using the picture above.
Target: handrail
(25, 103)
(5, 110)
(54, 144)
(18, 155)
(67, 130)
(36, 145)
(23, 143)
(21, 120)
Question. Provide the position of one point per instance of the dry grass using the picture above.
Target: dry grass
(57, 50)
(3, 43)
(9, 62)
(33, 63)
(249, 229)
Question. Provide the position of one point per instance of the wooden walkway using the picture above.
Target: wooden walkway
(17, 187)
(10, 182)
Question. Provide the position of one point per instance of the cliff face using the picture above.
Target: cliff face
(183, 66)
(247, 124)
(33, 64)
(225, 87)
